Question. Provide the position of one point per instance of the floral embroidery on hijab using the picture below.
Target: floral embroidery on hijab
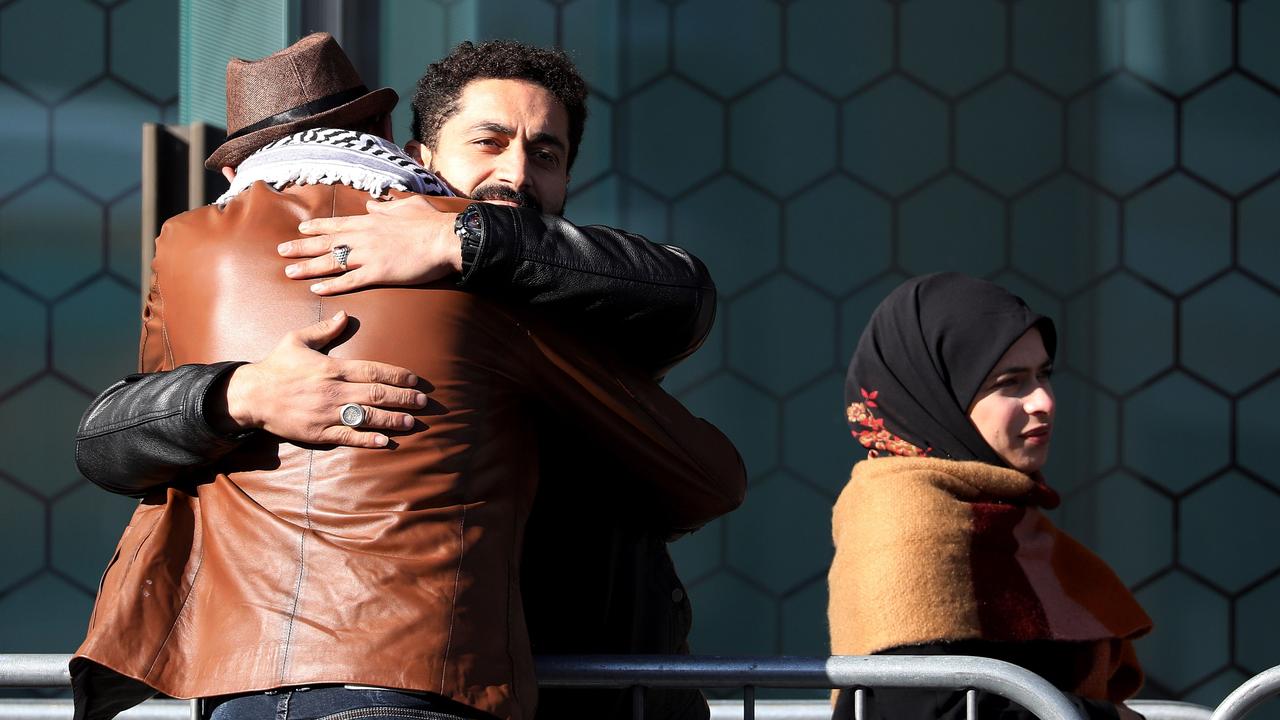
(874, 437)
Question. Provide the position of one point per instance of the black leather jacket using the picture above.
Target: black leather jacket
(653, 304)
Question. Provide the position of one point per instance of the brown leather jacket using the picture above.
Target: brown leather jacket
(286, 564)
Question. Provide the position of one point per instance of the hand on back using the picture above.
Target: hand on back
(295, 392)
(399, 242)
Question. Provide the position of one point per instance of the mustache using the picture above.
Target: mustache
(502, 192)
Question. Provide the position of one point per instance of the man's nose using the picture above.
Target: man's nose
(513, 166)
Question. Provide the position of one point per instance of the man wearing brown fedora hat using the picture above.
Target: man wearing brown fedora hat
(355, 559)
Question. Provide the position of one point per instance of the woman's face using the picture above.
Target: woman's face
(1014, 406)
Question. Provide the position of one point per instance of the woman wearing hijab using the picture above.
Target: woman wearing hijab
(942, 546)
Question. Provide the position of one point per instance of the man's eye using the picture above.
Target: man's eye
(547, 156)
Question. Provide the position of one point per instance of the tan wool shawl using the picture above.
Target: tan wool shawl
(931, 550)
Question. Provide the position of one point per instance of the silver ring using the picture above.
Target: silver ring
(341, 253)
(352, 415)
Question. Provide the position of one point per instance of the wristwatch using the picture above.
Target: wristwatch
(469, 227)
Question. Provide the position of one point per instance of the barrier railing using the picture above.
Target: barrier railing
(1255, 691)
(639, 672)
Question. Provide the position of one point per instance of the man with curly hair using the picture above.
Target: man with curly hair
(499, 123)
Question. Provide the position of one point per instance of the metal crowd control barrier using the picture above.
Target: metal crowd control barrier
(1255, 691)
(639, 672)
(821, 710)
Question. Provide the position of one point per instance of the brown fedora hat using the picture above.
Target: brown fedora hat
(309, 84)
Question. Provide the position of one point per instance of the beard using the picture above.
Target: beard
(502, 192)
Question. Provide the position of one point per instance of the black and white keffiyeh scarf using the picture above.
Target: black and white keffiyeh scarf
(324, 156)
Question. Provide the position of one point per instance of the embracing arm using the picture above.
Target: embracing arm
(652, 304)
(150, 428)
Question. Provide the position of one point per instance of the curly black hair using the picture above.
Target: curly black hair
(435, 99)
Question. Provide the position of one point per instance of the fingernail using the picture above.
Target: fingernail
(283, 247)
(380, 440)
(317, 287)
(420, 399)
(304, 225)
(407, 422)
(411, 380)
(337, 315)
(291, 270)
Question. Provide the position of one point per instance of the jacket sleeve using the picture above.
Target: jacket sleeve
(690, 469)
(652, 304)
(148, 429)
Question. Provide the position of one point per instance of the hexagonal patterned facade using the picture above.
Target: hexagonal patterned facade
(1115, 161)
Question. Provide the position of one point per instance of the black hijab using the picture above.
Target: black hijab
(922, 359)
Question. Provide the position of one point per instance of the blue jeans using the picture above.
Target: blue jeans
(335, 702)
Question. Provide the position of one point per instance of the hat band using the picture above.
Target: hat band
(328, 102)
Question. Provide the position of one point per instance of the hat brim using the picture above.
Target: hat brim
(233, 152)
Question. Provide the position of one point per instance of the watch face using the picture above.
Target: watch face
(471, 217)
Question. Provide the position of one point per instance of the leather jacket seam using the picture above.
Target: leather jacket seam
(177, 617)
(664, 282)
(135, 421)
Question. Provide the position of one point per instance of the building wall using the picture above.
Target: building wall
(1113, 162)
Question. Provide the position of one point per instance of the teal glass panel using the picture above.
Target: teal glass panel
(103, 122)
(1176, 449)
(1177, 233)
(838, 47)
(88, 344)
(1065, 45)
(43, 63)
(1129, 523)
(740, 247)
(1226, 531)
(894, 135)
(838, 235)
(781, 334)
(21, 537)
(781, 536)
(1119, 333)
(23, 336)
(1086, 432)
(1189, 615)
(782, 136)
(671, 152)
(44, 615)
(745, 414)
(1065, 234)
(1259, 233)
(1120, 134)
(1231, 332)
(51, 238)
(744, 620)
(146, 24)
(24, 134)
(1177, 44)
(952, 225)
(1258, 625)
(727, 50)
(950, 45)
(86, 527)
(1009, 135)
(816, 443)
(1229, 134)
(42, 455)
(1257, 41)
(1257, 427)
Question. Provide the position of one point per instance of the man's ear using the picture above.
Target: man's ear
(229, 173)
(418, 151)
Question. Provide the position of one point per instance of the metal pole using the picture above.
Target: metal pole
(1255, 691)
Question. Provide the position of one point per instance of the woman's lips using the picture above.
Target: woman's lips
(1037, 435)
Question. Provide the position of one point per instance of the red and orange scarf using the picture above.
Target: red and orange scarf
(931, 550)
